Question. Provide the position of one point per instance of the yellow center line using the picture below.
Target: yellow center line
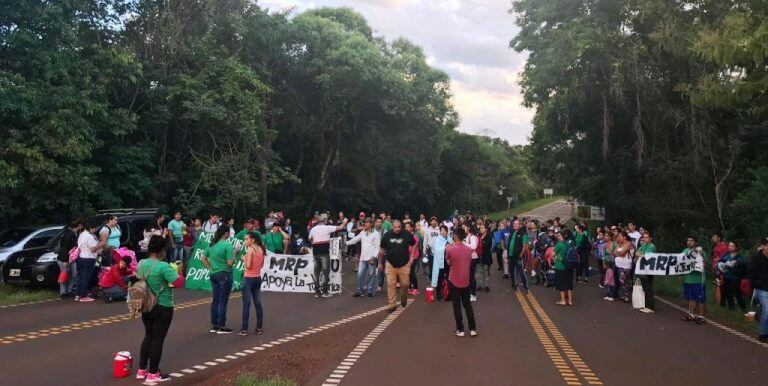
(53, 331)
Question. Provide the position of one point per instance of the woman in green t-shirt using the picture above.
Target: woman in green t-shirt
(563, 276)
(219, 258)
(646, 247)
(160, 277)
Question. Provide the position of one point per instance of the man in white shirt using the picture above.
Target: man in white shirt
(320, 237)
(212, 225)
(634, 235)
(370, 241)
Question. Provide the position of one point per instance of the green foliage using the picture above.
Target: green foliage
(217, 104)
(653, 109)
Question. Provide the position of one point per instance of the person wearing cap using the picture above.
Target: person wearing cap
(276, 240)
(320, 237)
(114, 283)
(757, 273)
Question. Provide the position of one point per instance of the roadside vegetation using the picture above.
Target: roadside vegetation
(17, 295)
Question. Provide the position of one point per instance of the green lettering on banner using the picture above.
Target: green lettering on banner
(197, 277)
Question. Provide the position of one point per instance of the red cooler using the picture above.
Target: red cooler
(122, 364)
(430, 294)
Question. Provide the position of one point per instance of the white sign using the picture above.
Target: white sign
(549, 192)
(597, 213)
(296, 273)
(662, 264)
(335, 248)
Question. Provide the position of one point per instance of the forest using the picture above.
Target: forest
(222, 105)
(655, 109)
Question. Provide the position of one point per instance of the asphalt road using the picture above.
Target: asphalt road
(559, 208)
(524, 340)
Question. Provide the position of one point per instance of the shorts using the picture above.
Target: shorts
(695, 292)
(563, 280)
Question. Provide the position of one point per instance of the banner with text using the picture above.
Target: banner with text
(281, 273)
(661, 264)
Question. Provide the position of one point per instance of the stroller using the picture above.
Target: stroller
(543, 272)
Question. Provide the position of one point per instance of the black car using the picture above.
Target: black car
(38, 266)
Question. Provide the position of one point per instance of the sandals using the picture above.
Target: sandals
(688, 318)
(561, 303)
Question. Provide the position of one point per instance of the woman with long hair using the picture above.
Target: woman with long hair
(219, 258)
(486, 257)
(623, 262)
(251, 286)
(471, 241)
(563, 275)
(733, 267)
(160, 278)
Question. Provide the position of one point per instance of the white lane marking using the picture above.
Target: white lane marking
(310, 331)
(716, 324)
(346, 364)
(176, 375)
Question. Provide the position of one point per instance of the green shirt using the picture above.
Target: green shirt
(579, 238)
(696, 277)
(158, 275)
(645, 249)
(177, 230)
(218, 255)
(241, 235)
(513, 241)
(387, 226)
(273, 242)
(561, 249)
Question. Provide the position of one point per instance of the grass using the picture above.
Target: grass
(523, 208)
(251, 380)
(16, 295)
(671, 288)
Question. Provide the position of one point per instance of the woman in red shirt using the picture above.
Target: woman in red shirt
(251, 285)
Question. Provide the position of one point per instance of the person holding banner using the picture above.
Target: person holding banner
(366, 270)
(694, 285)
(219, 259)
(253, 260)
(320, 237)
(647, 246)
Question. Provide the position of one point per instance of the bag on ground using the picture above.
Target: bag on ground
(638, 295)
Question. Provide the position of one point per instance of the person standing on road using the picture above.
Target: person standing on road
(583, 248)
(413, 252)
(430, 234)
(516, 246)
(563, 276)
(395, 244)
(694, 285)
(88, 246)
(732, 268)
(109, 235)
(253, 259)
(370, 240)
(498, 244)
(438, 261)
(176, 229)
(160, 277)
(471, 241)
(320, 237)
(219, 258)
(757, 272)
(459, 257)
(486, 258)
(66, 243)
(646, 247)
(212, 225)
(623, 263)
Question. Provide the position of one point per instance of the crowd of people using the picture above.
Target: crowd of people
(455, 255)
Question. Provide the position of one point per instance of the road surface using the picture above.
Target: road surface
(524, 340)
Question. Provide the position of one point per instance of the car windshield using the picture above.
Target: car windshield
(11, 237)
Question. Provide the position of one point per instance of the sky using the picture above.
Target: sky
(469, 40)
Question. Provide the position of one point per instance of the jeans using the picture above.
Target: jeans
(322, 266)
(647, 282)
(485, 275)
(85, 269)
(66, 288)
(472, 278)
(115, 293)
(412, 275)
(762, 297)
(252, 289)
(459, 298)
(221, 283)
(731, 290)
(366, 277)
(499, 257)
(156, 325)
(517, 271)
(178, 252)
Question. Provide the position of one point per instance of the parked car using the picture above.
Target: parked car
(15, 239)
(37, 266)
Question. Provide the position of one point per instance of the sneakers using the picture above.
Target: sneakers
(327, 295)
(403, 302)
(157, 377)
(357, 295)
(600, 286)
(213, 330)
(224, 330)
(472, 298)
(647, 310)
(763, 338)
(391, 310)
(242, 332)
(608, 298)
(472, 333)
(505, 276)
(317, 294)
(86, 299)
(458, 333)
(258, 331)
(141, 374)
(370, 295)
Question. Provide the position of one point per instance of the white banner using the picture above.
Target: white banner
(662, 264)
(296, 273)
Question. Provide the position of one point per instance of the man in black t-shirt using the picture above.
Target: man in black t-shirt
(395, 245)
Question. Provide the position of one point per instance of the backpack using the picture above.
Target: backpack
(141, 298)
(542, 243)
(571, 257)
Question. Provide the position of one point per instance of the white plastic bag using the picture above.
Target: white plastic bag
(638, 295)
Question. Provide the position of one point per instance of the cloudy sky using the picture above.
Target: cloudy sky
(469, 40)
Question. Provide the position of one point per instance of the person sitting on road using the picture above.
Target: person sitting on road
(160, 278)
(757, 272)
(459, 258)
(114, 284)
